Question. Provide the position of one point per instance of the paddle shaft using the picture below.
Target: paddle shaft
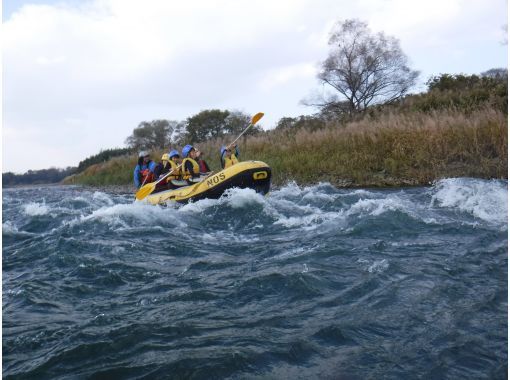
(238, 137)
(167, 174)
(254, 120)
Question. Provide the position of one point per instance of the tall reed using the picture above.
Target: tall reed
(390, 150)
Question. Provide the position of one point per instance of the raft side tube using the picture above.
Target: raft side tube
(255, 175)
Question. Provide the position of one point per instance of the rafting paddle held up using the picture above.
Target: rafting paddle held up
(147, 189)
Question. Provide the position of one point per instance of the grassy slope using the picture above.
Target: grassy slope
(392, 150)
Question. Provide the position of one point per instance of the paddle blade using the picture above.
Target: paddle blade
(257, 117)
(145, 190)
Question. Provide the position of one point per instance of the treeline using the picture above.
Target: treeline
(36, 177)
(467, 93)
(446, 92)
(102, 156)
(464, 93)
(458, 127)
(207, 124)
(56, 175)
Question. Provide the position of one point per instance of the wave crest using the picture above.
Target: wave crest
(486, 200)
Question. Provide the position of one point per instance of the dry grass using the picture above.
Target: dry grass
(393, 150)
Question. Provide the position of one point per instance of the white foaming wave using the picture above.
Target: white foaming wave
(36, 209)
(378, 266)
(320, 197)
(319, 192)
(147, 215)
(229, 237)
(10, 229)
(486, 200)
(309, 217)
(290, 189)
(376, 207)
(240, 198)
(103, 198)
(199, 206)
(379, 206)
(235, 198)
(360, 193)
(316, 191)
(307, 222)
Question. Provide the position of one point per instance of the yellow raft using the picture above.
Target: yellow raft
(255, 175)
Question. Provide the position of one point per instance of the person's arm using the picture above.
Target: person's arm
(189, 168)
(152, 166)
(237, 152)
(136, 176)
(157, 170)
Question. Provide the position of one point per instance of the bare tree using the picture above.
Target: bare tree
(364, 68)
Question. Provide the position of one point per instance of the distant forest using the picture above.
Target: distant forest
(36, 177)
(55, 175)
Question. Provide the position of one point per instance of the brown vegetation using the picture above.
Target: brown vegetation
(394, 150)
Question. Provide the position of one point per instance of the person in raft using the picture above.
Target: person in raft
(204, 168)
(144, 170)
(229, 157)
(162, 167)
(175, 161)
(175, 178)
(190, 166)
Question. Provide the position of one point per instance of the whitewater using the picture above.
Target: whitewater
(306, 282)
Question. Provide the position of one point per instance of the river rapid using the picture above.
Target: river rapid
(304, 283)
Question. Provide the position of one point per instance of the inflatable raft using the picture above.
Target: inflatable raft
(255, 175)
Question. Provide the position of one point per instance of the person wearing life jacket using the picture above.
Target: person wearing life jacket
(162, 167)
(144, 170)
(204, 168)
(190, 167)
(229, 158)
(175, 178)
(175, 162)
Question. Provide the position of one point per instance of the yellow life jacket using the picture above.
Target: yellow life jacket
(176, 174)
(196, 168)
(230, 160)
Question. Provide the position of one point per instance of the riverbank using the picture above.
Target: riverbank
(394, 150)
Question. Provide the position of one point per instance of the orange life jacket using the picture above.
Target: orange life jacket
(146, 176)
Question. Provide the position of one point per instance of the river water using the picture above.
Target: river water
(305, 283)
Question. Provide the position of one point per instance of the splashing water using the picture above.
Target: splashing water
(306, 282)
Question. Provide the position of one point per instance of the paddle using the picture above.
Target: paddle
(254, 120)
(149, 188)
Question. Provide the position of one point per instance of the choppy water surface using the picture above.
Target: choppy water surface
(305, 283)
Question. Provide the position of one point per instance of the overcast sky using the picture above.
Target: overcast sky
(79, 76)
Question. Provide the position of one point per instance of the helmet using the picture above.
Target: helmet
(143, 153)
(186, 150)
(165, 157)
(173, 153)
